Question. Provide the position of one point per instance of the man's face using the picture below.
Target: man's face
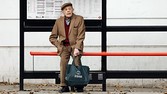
(68, 11)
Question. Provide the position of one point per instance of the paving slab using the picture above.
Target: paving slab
(23, 92)
(90, 89)
(144, 93)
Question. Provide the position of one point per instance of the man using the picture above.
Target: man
(67, 35)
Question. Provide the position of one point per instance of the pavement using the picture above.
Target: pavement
(6, 88)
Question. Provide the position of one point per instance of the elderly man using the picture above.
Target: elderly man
(67, 36)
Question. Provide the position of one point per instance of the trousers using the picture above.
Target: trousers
(64, 59)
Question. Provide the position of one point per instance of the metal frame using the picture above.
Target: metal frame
(91, 26)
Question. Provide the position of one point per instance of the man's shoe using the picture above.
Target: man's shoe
(79, 88)
(72, 89)
(64, 89)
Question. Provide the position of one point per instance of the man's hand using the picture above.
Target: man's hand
(76, 52)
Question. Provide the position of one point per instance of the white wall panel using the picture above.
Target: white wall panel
(136, 8)
(9, 9)
(9, 64)
(9, 32)
(37, 39)
(136, 42)
(42, 39)
(137, 62)
(136, 12)
(136, 38)
(136, 22)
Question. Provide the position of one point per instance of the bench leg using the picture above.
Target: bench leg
(104, 83)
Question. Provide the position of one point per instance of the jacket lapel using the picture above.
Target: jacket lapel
(72, 23)
(63, 27)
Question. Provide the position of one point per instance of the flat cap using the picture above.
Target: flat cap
(65, 5)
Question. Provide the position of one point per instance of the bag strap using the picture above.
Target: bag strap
(73, 62)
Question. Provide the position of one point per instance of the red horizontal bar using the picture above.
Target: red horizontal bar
(105, 53)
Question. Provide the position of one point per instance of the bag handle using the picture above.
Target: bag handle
(74, 57)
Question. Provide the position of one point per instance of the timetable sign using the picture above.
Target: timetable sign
(51, 9)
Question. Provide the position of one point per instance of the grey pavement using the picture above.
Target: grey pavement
(90, 89)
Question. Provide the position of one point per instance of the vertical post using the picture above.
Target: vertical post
(22, 15)
(104, 43)
(33, 62)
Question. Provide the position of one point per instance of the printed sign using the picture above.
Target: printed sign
(51, 9)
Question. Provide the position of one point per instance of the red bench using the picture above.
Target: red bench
(39, 53)
(99, 77)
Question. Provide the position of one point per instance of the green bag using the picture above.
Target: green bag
(77, 75)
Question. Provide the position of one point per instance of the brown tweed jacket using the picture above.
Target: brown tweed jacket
(76, 33)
